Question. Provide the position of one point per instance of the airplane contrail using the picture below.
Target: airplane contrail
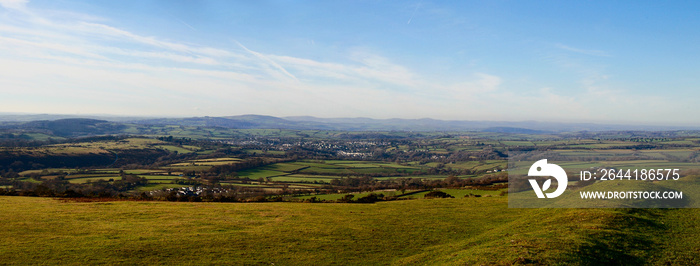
(268, 60)
(180, 20)
(188, 25)
(414, 12)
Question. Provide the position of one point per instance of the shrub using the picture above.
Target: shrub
(437, 194)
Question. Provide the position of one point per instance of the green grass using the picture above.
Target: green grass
(27, 179)
(330, 167)
(343, 162)
(328, 171)
(174, 149)
(332, 197)
(373, 170)
(284, 167)
(301, 179)
(418, 177)
(470, 231)
(208, 162)
(160, 177)
(682, 225)
(259, 173)
(72, 176)
(197, 168)
(93, 179)
(320, 165)
(28, 172)
(50, 170)
(139, 171)
(356, 165)
(394, 165)
(518, 143)
(109, 170)
(42, 137)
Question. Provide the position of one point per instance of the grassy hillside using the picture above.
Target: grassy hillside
(439, 231)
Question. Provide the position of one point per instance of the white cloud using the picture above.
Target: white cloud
(583, 51)
(380, 68)
(18, 44)
(368, 67)
(66, 65)
(14, 4)
(60, 59)
(269, 62)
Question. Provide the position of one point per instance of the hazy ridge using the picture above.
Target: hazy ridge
(344, 124)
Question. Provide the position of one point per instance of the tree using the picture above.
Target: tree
(437, 194)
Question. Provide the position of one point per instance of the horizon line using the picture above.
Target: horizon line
(600, 123)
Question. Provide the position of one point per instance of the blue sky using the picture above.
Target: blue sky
(634, 62)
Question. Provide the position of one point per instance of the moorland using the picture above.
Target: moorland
(92, 191)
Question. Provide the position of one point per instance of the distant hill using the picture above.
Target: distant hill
(393, 124)
(237, 122)
(15, 117)
(91, 125)
(428, 124)
(198, 122)
(73, 127)
(514, 130)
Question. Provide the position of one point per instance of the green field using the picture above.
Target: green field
(93, 179)
(302, 179)
(107, 174)
(285, 167)
(473, 231)
(259, 173)
(310, 171)
(305, 164)
(208, 162)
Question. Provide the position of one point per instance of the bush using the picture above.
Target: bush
(437, 194)
(371, 198)
(346, 198)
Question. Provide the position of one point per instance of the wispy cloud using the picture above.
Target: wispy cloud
(67, 62)
(269, 61)
(583, 51)
(14, 4)
(367, 67)
(99, 61)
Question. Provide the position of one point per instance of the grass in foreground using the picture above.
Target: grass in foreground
(439, 231)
